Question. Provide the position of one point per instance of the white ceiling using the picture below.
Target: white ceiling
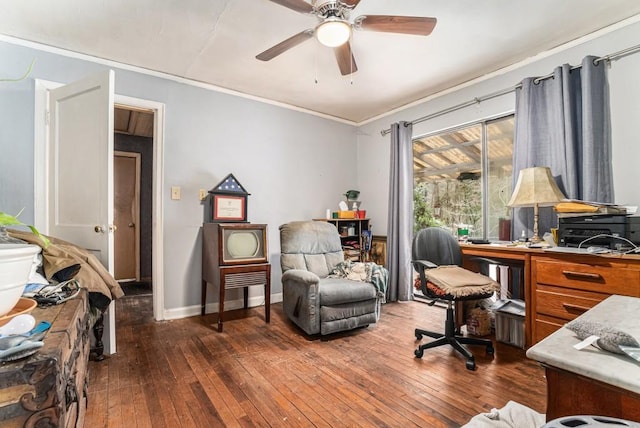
(216, 41)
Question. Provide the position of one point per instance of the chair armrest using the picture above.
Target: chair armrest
(301, 276)
(301, 299)
(484, 262)
(421, 265)
(487, 260)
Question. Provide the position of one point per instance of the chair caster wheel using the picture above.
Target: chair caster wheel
(418, 336)
(490, 350)
(418, 353)
(471, 365)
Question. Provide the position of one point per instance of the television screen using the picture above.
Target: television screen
(243, 244)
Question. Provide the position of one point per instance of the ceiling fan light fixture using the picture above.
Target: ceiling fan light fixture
(333, 32)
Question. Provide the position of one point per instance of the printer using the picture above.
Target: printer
(605, 230)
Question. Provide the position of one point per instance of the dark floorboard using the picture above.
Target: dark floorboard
(183, 373)
(136, 288)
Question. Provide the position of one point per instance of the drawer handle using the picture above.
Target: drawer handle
(569, 307)
(582, 274)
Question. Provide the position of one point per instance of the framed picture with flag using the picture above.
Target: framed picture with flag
(229, 208)
(228, 201)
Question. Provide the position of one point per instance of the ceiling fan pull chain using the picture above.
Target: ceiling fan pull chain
(315, 64)
(351, 59)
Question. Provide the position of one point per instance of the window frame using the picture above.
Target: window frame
(484, 157)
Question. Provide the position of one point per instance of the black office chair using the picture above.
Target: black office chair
(437, 257)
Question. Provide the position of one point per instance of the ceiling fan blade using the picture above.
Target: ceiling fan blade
(351, 3)
(285, 45)
(297, 5)
(345, 59)
(419, 26)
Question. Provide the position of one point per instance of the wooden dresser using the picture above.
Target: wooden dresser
(558, 287)
(50, 387)
(566, 286)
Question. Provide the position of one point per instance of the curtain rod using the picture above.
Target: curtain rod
(478, 100)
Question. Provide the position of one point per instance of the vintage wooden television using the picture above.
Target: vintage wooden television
(231, 244)
(234, 255)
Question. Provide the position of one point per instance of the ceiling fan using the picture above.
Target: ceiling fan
(335, 28)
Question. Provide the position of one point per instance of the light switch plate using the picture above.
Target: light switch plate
(175, 193)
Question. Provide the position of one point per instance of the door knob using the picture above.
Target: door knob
(98, 229)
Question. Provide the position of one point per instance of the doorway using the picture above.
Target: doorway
(42, 187)
(126, 215)
(133, 199)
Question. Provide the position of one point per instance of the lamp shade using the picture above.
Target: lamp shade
(536, 186)
(333, 32)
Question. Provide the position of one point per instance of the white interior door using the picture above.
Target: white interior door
(80, 189)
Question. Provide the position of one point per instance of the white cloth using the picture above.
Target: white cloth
(34, 276)
(512, 415)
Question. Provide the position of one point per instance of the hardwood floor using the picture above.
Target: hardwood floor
(183, 373)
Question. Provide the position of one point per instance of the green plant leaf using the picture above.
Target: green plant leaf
(9, 220)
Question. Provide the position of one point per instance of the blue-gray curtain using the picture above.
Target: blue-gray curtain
(400, 223)
(563, 122)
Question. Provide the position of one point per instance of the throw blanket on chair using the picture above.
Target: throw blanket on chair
(459, 282)
(363, 271)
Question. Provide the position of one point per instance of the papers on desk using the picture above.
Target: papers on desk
(573, 250)
(542, 244)
(574, 207)
(631, 351)
(503, 243)
(579, 250)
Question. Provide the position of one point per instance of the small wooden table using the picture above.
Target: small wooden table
(591, 381)
(241, 276)
(510, 255)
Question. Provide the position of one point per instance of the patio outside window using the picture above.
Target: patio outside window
(462, 179)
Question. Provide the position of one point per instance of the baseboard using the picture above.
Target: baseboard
(229, 305)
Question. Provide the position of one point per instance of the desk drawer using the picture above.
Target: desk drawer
(597, 278)
(545, 325)
(565, 303)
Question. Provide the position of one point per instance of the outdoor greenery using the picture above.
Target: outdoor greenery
(450, 203)
(423, 215)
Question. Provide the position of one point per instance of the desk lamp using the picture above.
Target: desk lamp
(535, 188)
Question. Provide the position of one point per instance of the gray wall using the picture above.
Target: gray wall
(295, 165)
(624, 84)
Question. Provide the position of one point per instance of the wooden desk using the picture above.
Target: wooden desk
(559, 287)
(510, 255)
(591, 381)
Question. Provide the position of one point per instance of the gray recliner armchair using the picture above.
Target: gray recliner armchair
(317, 303)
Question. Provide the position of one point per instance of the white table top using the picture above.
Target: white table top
(556, 350)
